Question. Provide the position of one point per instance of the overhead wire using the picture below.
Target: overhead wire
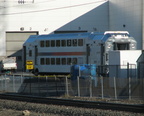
(58, 8)
(1, 7)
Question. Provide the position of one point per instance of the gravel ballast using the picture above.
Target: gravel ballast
(17, 108)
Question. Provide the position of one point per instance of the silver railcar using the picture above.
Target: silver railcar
(56, 53)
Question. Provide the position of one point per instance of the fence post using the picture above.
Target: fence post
(78, 86)
(13, 84)
(38, 86)
(67, 86)
(30, 85)
(21, 79)
(5, 84)
(115, 90)
(3, 88)
(47, 84)
(56, 85)
(2, 83)
(102, 87)
(129, 88)
(90, 86)
(142, 87)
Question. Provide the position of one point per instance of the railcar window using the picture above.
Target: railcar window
(53, 61)
(41, 43)
(74, 60)
(57, 61)
(42, 61)
(30, 52)
(69, 42)
(47, 43)
(57, 43)
(121, 46)
(63, 61)
(63, 42)
(80, 42)
(52, 43)
(74, 42)
(69, 61)
(47, 61)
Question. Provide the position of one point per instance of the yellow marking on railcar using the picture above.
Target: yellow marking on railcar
(29, 62)
(29, 65)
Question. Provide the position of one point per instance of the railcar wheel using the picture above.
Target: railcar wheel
(36, 72)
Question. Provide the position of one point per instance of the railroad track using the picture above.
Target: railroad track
(75, 103)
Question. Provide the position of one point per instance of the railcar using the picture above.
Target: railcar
(56, 53)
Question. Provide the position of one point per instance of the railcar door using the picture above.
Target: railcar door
(87, 53)
(35, 55)
(24, 58)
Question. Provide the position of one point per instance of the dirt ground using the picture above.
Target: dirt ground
(17, 108)
(10, 112)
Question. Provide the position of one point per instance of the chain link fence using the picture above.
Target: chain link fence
(101, 87)
(110, 87)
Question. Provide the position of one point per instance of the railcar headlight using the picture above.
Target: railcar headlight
(109, 46)
(133, 45)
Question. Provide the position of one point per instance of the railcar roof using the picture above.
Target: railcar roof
(105, 37)
(92, 35)
(97, 36)
(63, 36)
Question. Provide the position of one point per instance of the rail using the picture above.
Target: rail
(75, 103)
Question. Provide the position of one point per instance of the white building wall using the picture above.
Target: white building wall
(127, 15)
(2, 29)
(47, 16)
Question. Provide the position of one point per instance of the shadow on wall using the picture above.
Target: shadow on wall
(18, 55)
(95, 20)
